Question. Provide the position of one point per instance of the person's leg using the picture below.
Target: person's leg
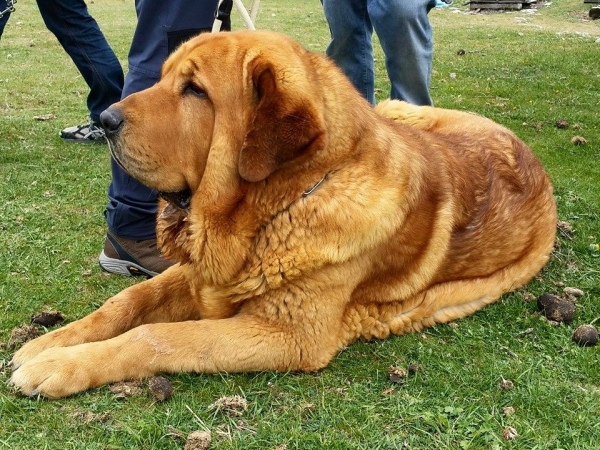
(80, 36)
(131, 210)
(406, 38)
(351, 45)
(4, 18)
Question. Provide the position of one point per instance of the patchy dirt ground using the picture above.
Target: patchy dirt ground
(554, 17)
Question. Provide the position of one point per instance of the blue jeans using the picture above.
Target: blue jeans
(81, 38)
(162, 26)
(406, 39)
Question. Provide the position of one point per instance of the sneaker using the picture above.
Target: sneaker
(89, 133)
(130, 257)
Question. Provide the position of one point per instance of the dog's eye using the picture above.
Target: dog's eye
(192, 89)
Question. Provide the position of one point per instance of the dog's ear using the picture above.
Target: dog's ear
(286, 122)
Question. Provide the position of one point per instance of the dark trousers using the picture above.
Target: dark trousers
(81, 38)
(162, 26)
(4, 17)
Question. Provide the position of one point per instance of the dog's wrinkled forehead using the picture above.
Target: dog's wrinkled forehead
(205, 54)
(210, 49)
(181, 59)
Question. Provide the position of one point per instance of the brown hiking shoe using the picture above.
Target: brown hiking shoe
(130, 257)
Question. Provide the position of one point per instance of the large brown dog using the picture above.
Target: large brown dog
(302, 219)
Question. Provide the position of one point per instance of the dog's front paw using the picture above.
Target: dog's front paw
(33, 348)
(55, 373)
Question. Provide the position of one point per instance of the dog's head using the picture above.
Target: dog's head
(234, 106)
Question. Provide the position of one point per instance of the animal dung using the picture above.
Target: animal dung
(125, 389)
(510, 434)
(161, 388)
(233, 406)
(562, 124)
(23, 334)
(198, 440)
(555, 308)
(586, 336)
(47, 318)
(506, 385)
(578, 140)
(414, 368)
(397, 374)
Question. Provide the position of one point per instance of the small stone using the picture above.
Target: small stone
(562, 124)
(161, 388)
(461, 52)
(573, 292)
(397, 374)
(198, 440)
(586, 336)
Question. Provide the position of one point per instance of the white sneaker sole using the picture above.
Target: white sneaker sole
(121, 267)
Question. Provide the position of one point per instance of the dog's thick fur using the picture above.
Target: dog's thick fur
(314, 220)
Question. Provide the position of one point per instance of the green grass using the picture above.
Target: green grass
(518, 69)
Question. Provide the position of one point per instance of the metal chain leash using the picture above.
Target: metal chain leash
(10, 7)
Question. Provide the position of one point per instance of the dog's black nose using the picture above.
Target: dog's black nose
(111, 119)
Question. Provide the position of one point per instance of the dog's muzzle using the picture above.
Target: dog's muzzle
(112, 120)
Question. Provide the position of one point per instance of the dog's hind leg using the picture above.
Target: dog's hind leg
(164, 298)
(441, 303)
(428, 118)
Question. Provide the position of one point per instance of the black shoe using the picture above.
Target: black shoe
(89, 133)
